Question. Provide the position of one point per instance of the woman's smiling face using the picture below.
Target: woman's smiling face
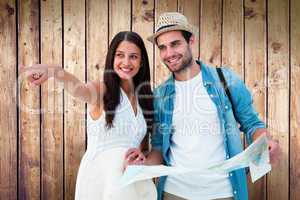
(127, 60)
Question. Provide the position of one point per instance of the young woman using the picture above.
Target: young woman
(119, 119)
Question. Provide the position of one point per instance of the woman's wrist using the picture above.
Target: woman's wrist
(56, 71)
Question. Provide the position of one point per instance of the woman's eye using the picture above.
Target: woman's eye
(133, 57)
(119, 55)
(161, 48)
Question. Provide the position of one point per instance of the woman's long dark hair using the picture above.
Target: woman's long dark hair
(141, 80)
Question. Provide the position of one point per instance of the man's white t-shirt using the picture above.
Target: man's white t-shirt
(196, 143)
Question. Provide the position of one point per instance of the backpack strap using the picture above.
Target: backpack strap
(225, 86)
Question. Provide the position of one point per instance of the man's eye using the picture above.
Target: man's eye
(175, 44)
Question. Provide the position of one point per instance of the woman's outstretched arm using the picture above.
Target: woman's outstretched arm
(91, 93)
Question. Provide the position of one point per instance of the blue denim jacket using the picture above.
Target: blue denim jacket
(245, 115)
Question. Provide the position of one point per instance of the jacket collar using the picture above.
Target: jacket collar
(206, 77)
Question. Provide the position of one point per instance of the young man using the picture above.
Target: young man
(195, 125)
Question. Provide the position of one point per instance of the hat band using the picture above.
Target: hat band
(166, 26)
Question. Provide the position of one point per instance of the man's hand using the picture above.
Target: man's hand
(275, 151)
(274, 148)
(134, 156)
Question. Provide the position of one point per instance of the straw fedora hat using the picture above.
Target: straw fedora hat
(171, 21)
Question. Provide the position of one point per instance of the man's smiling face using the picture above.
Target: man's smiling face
(174, 51)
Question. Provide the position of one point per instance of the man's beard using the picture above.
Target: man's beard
(186, 62)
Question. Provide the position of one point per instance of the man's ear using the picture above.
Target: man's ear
(192, 40)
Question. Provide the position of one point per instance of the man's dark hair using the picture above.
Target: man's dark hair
(187, 35)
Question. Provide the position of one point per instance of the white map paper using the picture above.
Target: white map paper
(256, 157)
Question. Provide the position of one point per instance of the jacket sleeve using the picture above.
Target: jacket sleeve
(245, 113)
(156, 137)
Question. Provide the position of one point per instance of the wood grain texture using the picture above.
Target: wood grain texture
(29, 133)
(232, 36)
(52, 103)
(295, 99)
(255, 71)
(119, 16)
(210, 32)
(74, 62)
(278, 94)
(8, 111)
(191, 10)
(43, 164)
(142, 23)
(161, 72)
(97, 36)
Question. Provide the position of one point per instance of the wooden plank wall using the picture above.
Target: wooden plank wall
(278, 91)
(255, 69)
(8, 105)
(43, 129)
(52, 147)
(294, 100)
(29, 133)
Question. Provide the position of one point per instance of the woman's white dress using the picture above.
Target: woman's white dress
(102, 164)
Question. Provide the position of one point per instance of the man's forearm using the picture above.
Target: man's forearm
(259, 132)
(154, 158)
